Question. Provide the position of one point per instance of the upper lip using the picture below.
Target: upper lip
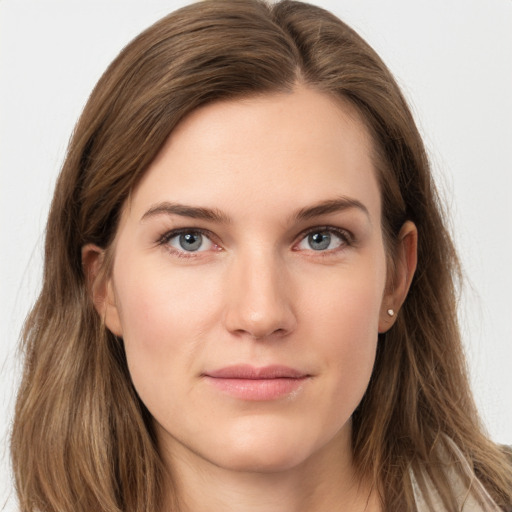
(246, 371)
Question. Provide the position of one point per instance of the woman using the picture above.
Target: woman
(248, 300)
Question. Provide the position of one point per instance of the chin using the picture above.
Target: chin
(261, 460)
(267, 450)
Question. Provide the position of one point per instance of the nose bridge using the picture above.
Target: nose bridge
(259, 303)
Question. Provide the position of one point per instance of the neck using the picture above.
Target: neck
(325, 482)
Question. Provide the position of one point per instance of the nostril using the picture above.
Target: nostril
(277, 333)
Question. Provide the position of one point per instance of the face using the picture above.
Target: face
(249, 280)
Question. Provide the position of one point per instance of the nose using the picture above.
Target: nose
(259, 298)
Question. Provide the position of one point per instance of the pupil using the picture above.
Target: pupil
(319, 241)
(191, 241)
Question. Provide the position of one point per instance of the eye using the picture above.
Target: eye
(187, 241)
(323, 239)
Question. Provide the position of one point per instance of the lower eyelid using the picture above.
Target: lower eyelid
(345, 237)
(206, 243)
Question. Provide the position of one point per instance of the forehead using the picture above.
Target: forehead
(268, 151)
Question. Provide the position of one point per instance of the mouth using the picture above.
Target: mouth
(247, 382)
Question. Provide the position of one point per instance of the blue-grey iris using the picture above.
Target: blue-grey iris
(319, 241)
(191, 241)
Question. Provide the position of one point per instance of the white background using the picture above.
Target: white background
(454, 62)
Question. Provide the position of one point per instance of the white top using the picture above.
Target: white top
(467, 501)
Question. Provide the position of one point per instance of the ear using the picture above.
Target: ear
(400, 280)
(100, 287)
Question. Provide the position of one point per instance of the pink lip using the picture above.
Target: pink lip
(250, 383)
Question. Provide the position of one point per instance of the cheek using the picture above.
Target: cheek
(344, 320)
(164, 316)
(348, 300)
(155, 298)
(353, 342)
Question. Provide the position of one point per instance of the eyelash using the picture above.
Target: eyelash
(169, 235)
(346, 237)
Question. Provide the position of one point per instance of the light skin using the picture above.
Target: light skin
(278, 259)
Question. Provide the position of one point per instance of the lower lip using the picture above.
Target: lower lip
(258, 389)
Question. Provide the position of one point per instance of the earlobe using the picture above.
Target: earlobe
(100, 287)
(405, 266)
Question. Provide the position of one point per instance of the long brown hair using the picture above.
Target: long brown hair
(82, 440)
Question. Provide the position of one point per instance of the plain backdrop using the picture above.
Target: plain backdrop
(453, 61)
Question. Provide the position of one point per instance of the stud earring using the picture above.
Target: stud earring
(391, 312)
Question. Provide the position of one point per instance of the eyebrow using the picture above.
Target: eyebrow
(330, 206)
(192, 212)
(215, 215)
